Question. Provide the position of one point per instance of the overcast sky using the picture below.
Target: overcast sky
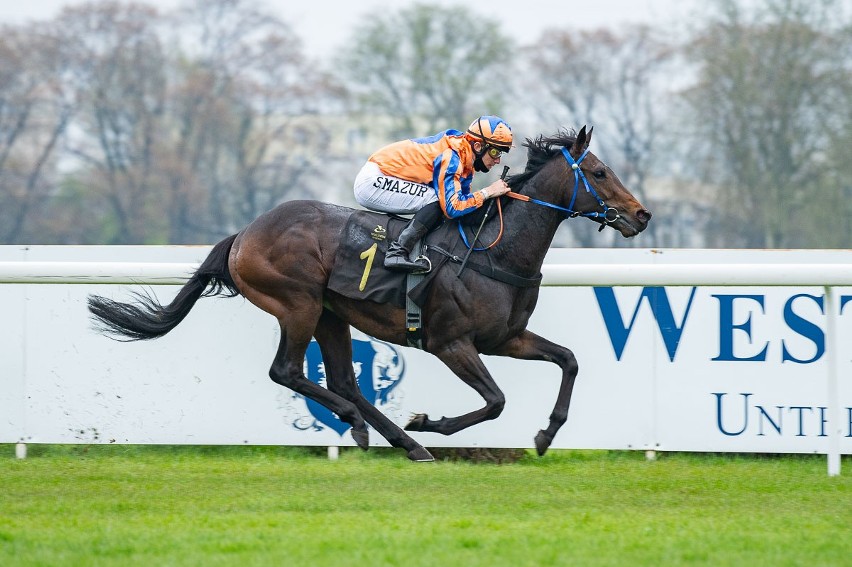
(323, 24)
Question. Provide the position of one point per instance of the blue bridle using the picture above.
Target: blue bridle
(571, 213)
(578, 176)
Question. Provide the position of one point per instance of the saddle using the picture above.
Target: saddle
(359, 271)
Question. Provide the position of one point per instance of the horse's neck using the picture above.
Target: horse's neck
(528, 232)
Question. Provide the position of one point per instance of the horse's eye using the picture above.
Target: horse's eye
(599, 174)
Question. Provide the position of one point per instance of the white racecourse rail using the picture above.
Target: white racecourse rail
(686, 350)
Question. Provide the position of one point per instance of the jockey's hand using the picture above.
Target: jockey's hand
(496, 189)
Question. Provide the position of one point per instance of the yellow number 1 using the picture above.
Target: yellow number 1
(368, 255)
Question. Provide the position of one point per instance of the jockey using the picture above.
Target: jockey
(431, 177)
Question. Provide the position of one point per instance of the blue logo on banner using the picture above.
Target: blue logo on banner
(658, 299)
(379, 368)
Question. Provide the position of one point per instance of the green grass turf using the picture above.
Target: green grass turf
(124, 505)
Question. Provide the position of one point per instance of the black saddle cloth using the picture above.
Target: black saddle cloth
(359, 271)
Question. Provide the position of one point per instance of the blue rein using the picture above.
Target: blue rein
(578, 175)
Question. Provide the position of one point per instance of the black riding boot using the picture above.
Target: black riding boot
(397, 256)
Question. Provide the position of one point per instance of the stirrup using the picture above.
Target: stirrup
(428, 267)
(403, 264)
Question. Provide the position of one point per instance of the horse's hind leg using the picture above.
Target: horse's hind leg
(529, 346)
(279, 269)
(335, 342)
(288, 370)
(464, 361)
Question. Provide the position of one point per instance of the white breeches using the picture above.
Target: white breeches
(379, 192)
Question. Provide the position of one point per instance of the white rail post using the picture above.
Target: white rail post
(20, 450)
(834, 427)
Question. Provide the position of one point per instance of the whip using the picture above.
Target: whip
(482, 224)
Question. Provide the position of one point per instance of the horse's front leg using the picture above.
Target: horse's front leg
(463, 359)
(529, 346)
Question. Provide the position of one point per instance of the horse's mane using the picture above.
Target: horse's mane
(539, 152)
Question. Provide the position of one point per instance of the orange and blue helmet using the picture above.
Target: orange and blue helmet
(492, 130)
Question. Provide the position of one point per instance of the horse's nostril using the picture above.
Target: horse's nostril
(644, 215)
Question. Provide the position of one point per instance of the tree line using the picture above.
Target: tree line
(123, 125)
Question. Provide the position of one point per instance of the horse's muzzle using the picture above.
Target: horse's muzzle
(643, 216)
(632, 224)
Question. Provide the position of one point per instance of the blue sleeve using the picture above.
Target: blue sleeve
(453, 190)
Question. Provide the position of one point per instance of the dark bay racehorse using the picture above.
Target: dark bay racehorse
(281, 262)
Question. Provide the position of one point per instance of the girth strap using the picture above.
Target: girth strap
(413, 315)
(491, 271)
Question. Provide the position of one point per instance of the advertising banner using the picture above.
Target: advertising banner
(680, 368)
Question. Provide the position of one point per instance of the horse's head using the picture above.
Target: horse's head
(580, 184)
(596, 191)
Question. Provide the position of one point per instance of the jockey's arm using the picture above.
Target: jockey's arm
(453, 191)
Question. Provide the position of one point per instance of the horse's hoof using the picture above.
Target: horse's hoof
(541, 443)
(416, 422)
(362, 438)
(420, 455)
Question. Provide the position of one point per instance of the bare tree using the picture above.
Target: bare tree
(244, 104)
(118, 73)
(426, 67)
(767, 87)
(836, 178)
(612, 81)
(35, 110)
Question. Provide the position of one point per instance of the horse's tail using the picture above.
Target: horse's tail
(147, 319)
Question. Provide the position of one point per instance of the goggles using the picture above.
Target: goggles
(493, 152)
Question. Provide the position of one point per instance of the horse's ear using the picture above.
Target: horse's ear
(589, 136)
(581, 142)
